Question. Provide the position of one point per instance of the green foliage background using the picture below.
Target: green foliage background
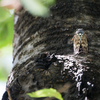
(6, 27)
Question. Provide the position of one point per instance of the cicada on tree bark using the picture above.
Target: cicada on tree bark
(80, 43)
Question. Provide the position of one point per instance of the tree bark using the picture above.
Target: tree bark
(43, 52)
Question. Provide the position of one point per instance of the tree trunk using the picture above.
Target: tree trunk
(43, 52)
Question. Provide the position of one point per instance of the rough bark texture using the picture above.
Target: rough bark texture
(43, 52)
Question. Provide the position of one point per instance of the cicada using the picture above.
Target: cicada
(80, 43)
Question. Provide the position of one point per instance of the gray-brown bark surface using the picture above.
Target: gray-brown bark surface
(43, 52)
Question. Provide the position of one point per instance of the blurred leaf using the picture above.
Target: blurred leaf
(37, 7)
(6, 29)
(46, 93)
(4, 14)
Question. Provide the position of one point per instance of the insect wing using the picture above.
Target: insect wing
(84, 43)
(76, 44)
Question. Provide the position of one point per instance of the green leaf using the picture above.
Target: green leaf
(37, 7)
(4, 14)
(46, 93)
(6, 27)
(6, 31)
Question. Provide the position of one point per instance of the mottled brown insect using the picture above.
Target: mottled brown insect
(80, 43)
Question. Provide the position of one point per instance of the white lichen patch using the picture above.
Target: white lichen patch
(77, 70)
